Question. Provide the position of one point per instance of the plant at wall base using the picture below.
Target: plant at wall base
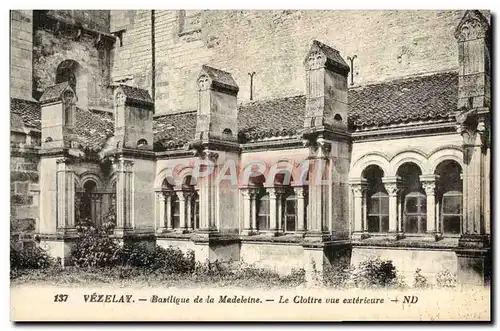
(420, 281)
(23, 258)
(375, 273)
(94, 247)
(445, 278)
(339, 275)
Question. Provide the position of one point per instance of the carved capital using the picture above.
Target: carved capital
(249, 193)
(299, 192)
(471, 28)
(119, 99)
(358, 190)
(203, 83)
(392, 188)
(210, 155)
(429, 188)
(315, 60)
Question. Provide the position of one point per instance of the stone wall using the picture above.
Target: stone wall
(91, 19)
(407, 261)
(23, 178)
(21, 44)
(49, 50)
(388, 45)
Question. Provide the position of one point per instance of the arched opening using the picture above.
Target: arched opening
(377, 200)
(337, 117)
(142, 143)
(449, 196)
(72, 72)
(227, 132)
(87, 210)
(414, 198)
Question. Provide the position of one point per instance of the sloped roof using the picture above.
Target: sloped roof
(171, 131)
(220, 77)
(29, 111)
(417, 98)
(136, 94)
(398, 101)
(332, 55)
(93, 129)
(272, 118)
(53, 93)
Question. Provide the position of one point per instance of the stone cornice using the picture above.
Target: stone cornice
(406, 131)
(75, 30)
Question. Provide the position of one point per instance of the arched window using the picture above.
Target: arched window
(263, 214)
(67, 72)
(378, 200)
(378, 212)
(449, 196)
(414, 199)
(86, 208)
(415, 212)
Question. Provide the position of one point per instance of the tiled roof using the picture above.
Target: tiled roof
(53, 92)
(418, 98)
(172, 131)
(29, 111)
(93, 129)
(271, 118)
(137, 94)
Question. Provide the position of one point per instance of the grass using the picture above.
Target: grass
(239, 277)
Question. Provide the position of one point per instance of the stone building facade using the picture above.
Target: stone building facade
(287, 139)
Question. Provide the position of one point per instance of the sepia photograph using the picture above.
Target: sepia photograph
(250, 165)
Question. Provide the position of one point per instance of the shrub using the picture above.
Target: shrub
(419, 280)
(94, 248)
(375, 272)
(338, 275)
(168, 260)
(28, 257)
(445, 278)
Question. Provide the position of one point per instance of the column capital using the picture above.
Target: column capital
(429, 178)
(429, 187)
(392, 184)
(299, 191)
(358, 186)
(249, 192)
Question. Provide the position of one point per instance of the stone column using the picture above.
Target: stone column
(168, 211)
(429, 185)
(189, 211)
(299, 192)
(273, 210)
(253, 211)
(182, 210)
(365, 210)
(279, 205)
(319, 184)
(358, 187)
(65, 196)
(392, 186)
(160, 222)
(247, 226)
(123, 196)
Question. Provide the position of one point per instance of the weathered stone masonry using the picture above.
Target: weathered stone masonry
(122, 105)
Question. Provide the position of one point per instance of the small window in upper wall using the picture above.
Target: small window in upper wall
(142, 143)
(189, 21)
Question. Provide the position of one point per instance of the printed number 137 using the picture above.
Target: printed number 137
(60, 298)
